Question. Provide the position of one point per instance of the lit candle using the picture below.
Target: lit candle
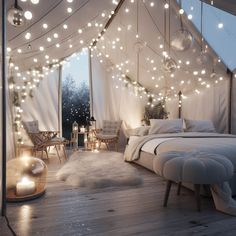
(82, 129)
(25, 187)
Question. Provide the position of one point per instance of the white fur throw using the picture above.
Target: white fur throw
(98, 170)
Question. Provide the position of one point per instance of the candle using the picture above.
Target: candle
(25, 187)
(82, 129)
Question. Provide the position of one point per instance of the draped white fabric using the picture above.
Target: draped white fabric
(44, 105)
(210, 104)
(113, 101)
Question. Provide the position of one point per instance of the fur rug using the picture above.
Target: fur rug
(98, 170)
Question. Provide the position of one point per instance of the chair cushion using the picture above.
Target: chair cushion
(31, 126)
(193, 167)
(106, 136)
(111, 127)
(58, 139)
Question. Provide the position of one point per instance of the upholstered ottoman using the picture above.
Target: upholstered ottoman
(198, 168)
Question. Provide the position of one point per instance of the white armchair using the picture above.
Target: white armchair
(109, 134)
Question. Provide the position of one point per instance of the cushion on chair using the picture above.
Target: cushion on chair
(193, 167)
(111, 127)
(106, 136)
(31, 126)
(58, 139)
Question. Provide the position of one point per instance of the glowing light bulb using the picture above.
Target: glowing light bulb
(35, 1)
(45, 26)
(69, 9)
(181, 11)
(28, 35)
(220, 25)
(166, 6)
(65, 26)
(28, 15)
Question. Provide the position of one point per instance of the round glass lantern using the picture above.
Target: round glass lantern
(26, 178)
(182, 40)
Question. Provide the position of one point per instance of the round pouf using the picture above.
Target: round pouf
(198, 168)
(194, 167)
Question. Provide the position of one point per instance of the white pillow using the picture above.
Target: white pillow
(140, 131)
(159, 126)
(199, 126)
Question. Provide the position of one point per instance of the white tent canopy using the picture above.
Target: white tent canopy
(127, 59)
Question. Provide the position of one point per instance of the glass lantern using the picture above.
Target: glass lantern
(92, 123)
(75, 127)
(26, 178)
(74, 135)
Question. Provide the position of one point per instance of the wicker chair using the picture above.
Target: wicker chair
(42, 140)
(109, 134)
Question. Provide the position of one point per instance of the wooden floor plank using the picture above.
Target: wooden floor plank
(65, 210)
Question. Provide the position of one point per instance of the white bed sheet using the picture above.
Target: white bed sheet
(150, 146)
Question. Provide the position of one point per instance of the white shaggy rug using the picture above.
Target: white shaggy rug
(98, 170)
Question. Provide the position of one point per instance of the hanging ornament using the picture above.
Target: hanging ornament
(181, 40)
(203, 58)
(169, 65)
(15, 15)
(138, 46)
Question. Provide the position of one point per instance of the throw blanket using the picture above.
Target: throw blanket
(223, 144)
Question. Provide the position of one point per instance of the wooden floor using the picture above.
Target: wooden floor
(65, 210)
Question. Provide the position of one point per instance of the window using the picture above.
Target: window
(75, 92)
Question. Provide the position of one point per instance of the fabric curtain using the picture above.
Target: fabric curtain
(113, 100)
(210, 104)
(44, 105)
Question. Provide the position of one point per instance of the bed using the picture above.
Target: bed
(142, 150)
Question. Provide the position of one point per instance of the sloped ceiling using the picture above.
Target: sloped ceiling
(117, 49)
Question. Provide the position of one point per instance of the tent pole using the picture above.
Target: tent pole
(180, 104)
(91, 82)
(230, 101)
(60, 101)
(4, 127)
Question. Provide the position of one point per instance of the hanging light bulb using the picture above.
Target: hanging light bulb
(15, 15)
(169, 65)
(181, 40)
(203, 58)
